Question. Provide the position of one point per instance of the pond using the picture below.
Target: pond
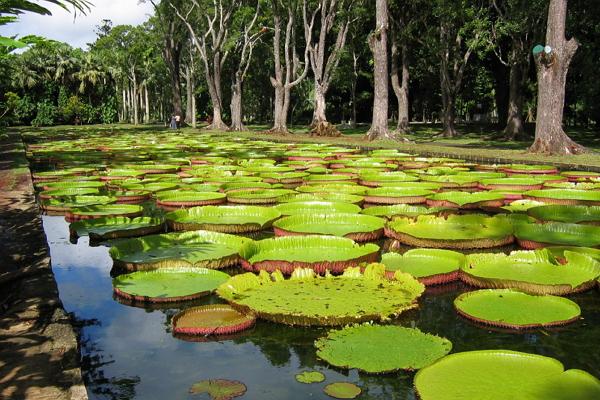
(130, 352)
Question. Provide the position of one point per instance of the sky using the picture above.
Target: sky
(61, 26)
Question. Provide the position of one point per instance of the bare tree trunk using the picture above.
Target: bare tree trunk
(124, 116)
(147, 100)
(378, 44)
(514, 124)
(353, 88)
(552, 69)
(400, 85)
(287, 73)
(194, 122)
(236, 104)
(134, 90)
(189, 95)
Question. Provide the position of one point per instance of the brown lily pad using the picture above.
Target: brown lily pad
(342, 390)
(219, 389)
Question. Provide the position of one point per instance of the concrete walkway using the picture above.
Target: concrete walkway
(39, 357)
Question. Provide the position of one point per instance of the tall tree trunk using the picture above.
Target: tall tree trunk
(124, 116)
(353, 87)
(194, 122)
(147, 100)
(320, 104)
(236, 104)
(134, 90)
(378, 44)
(448, 114)
(189, 95)
(400, 85)
(172, 54)
(514, 124)
(552, 71)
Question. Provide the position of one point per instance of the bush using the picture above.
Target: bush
(46, 114)
(108, 111)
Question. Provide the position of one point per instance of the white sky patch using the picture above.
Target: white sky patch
(79, 32)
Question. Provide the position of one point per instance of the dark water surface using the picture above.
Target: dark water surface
(130, 353)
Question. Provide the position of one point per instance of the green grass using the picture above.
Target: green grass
(476, 143)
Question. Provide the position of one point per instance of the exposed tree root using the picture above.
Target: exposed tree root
(238, 128)
(324, 128)
(215, 126)
(380, 134)
(559, 144)
(278, 131)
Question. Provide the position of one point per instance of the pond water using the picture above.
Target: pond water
(130, 352)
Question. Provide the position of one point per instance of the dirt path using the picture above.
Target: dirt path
(39, 358)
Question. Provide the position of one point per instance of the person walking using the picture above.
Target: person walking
(173, 124)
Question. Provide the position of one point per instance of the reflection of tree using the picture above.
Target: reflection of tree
(279, 342)
(92, 367)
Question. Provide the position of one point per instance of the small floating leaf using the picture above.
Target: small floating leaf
(342, 390)
(219, 389)
(310, 377)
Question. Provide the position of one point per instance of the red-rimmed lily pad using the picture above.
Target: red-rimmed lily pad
(342, 390)
(214, 319)
(219, 389)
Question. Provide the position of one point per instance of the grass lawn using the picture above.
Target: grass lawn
(476, 143)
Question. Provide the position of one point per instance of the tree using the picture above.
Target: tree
(519, 21)
(324, 59)
(378, 44)
(209, 28)
(174, 35)
(461, 26)
(552, 66)
(244, 48)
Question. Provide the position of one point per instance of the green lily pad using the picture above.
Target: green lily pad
(355, 226)
(306, 299)
(342, 390)
(501, 375)
(454, 232)
(522, 205)
(201, 249)
(321, 253)
(168, 284)
(316, 207)
(566, 213)
(516, 310)
(565, 196)
(429, 266)
(103, 210)
(116, 227)
(343, 197)
(532, 236)
(310, 377)
(463, 199)
(378, 349)
(399, 210)
(535, 272)
(261, 196)
(219, 389)
(347, 188)
(227, 219)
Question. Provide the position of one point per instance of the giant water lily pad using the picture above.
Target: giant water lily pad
(320, 253)
(307, 299)
(178, 199)
(357, 227)
(310, 377)
(63, 204)
(103, 210)
(429, 266)
(316, 207)
(342, 390)
(454, 232)
(466, 200)
(202, 249)
(168, 284)
(378, 349)
(536, 272)
(261, 196)
(116, 227)
(400, 210)
(533, 236)
(564, 213)
(228, 219)
(501, 375)
(347, 188)
(343, 197)
(565, 196)
(67, 192)
(516, 310)
(213, 319)
(219, 389)
(396, 195)
(530, 183)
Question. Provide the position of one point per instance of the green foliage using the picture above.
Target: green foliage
(45, 114)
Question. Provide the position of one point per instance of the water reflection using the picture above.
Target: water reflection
(130, 353)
